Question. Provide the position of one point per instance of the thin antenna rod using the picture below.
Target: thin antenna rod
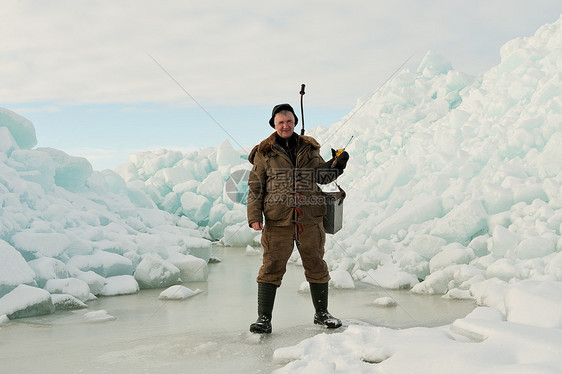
(302, 110)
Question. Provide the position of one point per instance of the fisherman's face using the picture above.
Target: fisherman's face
(284, 124)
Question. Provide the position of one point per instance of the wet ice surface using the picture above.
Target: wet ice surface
(206, 333)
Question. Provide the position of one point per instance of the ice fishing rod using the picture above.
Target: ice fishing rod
(339, 152)
(302, 110)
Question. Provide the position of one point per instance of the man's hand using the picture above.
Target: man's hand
(341, 160)
(258, 226)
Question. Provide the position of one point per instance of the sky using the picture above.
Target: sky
(103, 79)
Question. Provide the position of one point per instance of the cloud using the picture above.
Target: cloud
(36, 109)
(247, 52)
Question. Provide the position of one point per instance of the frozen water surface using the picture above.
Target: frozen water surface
(206, 333)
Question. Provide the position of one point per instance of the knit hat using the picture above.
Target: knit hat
(279, 108)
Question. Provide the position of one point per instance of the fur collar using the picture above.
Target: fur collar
(266, 144)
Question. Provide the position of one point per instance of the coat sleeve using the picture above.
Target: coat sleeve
(325, 173)
(256, 187)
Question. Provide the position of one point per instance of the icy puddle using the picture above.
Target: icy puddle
(206, 333)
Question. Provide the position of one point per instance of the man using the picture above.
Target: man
(283, 188)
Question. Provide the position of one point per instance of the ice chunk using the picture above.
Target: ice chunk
(420, 209)
(370, 259)
(479, 245)
(154, 272)
(72, 286)
(304, 287)
(535, 303)
(71, 172)
(217, 230)
(435, 283)
(456, 81)
(341, 279)
(235, 216)
(190, 186)
(529, 192)
(490, 293)
(156, 217)
(7, 142)
(151, 243)
(94, 281)
(503, 241)
(140, 198)
(212, 186)
(434, 64)
(120, 285)
(113, 182)
(486, 314)
(199, 247)
(46, 268)
(389, 276)
(149, 162)
(398, 174)
(427, 245)
(452, 254)
(251, 251)
(52, 244)
(195, 207)
(239, 235)
(103, 263)
(226, 155)
(217, 213)
(13, 269)
(98, 316)
(554, 266)
(128, 172)
(504, 269)
(534, 247)
(67, 302)
(192, 269)
(462, 223)
(496, 198)
(171, 203)
(21, 128)
(78, 245)
(174, 175)
(178, 292)
(385, 301)
(458, 294)
(549, 165)
(26, 301)
(33, 166)
(412, 262)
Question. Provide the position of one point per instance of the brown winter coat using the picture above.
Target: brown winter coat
(271, 188)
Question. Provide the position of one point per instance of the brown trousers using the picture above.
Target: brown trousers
(277, 242)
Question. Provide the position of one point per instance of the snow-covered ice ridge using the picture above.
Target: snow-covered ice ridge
(68, 230)
(455, 180)
(455, 188)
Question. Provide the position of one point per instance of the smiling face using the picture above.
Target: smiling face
(284, 124)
